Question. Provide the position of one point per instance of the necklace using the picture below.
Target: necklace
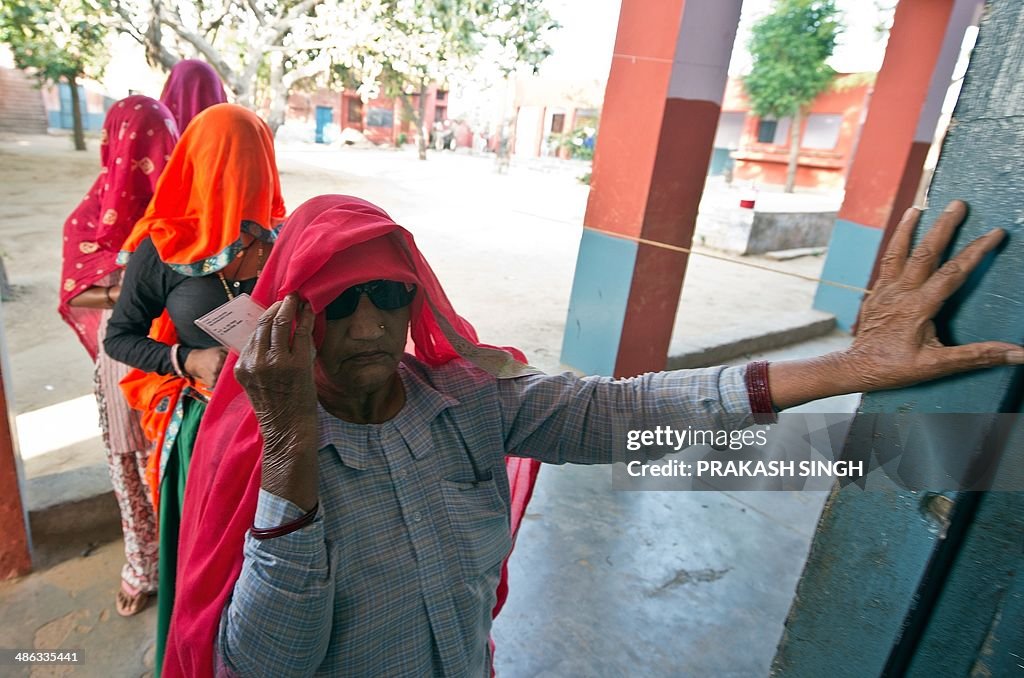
(227, 290)
(238, 283)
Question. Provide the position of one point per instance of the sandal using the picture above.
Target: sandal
(131, 601)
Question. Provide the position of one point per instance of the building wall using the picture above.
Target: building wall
(302, 106)
(840, 111)
(21, 104)
(57, 100)
(546, 108)
(381, 120)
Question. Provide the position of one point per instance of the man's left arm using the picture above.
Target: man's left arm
(558, 419)
(589, 420)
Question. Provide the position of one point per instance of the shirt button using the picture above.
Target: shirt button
(417, 517)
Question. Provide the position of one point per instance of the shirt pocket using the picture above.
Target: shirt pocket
(479, 522)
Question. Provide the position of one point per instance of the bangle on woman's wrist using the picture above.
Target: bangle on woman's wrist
(110, 300)
(287, 528)
(176, 364)
(759, 393)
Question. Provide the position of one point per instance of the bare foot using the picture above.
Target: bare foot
(131, 602)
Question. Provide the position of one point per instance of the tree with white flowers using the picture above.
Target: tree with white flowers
(263, 49)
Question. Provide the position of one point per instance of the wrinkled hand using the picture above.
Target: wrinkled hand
(276, 370)
(205, 364)
(896, 343)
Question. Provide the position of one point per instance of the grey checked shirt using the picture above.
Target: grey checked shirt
(397, 575)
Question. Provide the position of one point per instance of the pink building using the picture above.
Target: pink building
(381, 120)
(548, 108)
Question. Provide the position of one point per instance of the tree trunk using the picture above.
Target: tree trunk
(794, 149)
(244, 95)
(76, 115)
(278, 92)
(6, 293)
(421, 124)
(156, 53)
(415, 116)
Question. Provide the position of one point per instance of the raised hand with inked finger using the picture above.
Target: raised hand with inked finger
(276, 371)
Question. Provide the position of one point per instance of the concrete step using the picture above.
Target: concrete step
(717, 348)
(67, 488)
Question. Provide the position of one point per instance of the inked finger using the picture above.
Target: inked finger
(895, 256)
(260, 339)
(303, 337)
(952, 274)
(925, 257)
(281, 329)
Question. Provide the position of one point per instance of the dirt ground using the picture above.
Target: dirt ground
(41, 180)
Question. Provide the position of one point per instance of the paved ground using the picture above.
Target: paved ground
(603, 583)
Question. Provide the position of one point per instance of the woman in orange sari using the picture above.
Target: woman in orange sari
(203, 240)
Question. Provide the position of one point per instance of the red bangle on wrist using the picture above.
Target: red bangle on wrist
(287, 528)
(759, 393)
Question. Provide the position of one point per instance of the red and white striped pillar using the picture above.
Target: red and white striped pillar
(886, 171)
(658, 123)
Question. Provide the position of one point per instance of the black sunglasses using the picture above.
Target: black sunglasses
(387, 295)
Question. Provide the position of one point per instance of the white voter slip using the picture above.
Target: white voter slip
(232, 323)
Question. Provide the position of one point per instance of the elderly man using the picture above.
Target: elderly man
(348, 512)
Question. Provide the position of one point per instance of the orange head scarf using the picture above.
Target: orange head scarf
(222, 172)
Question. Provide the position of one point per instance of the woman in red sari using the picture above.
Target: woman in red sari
(138, 137)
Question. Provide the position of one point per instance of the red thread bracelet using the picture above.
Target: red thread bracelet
(287, 528)
(759, 393)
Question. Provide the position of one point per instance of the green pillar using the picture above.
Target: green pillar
(916, 583)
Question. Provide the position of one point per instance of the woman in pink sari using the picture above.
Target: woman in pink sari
(192, 87)
(138, 137)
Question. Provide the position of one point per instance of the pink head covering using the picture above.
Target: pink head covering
(192, 87)
(330, 243)
(139, 134)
